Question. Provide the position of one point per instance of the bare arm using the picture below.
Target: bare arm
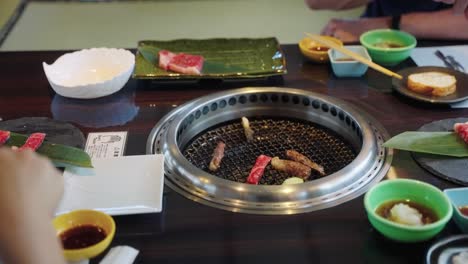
(437, 25)
(335, 4)
(459, 6)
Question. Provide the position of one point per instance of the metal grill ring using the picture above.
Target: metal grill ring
(348, 143)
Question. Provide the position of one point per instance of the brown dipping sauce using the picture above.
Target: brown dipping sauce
(345, 59)
(464, 210)
(318, 48)
(428, 215)
(82, 236)
(387, 44)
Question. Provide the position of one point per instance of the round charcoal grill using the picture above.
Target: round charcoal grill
(346, 142)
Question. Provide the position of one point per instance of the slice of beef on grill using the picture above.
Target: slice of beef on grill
(257, 171)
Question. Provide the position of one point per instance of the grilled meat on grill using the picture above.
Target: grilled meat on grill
(292, 168)
(257, 171)
(218, 155)
(296, 156)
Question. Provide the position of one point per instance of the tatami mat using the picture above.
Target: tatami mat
(76, 25)
(9, 10)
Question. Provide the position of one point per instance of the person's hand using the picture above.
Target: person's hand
(30, 189)
(351, 30)
(28, 182)
(459, 6)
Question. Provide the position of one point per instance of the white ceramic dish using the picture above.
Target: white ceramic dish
(116, 186)
(90, 73)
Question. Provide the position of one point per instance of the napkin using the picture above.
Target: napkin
(116, 186)
(120, 255)
(427, 57)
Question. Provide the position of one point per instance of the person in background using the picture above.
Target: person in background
(459, 6)
(30, 189)
(428, 19)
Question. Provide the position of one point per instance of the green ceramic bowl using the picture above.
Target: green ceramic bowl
(412, 190)
(388, 46)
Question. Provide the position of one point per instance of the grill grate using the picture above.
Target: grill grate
(272, 137)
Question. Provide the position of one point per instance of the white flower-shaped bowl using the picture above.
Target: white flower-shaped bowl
(90, 73)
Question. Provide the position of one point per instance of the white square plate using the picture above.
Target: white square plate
(117, 186)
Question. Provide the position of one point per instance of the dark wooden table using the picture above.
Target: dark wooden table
(188, 232)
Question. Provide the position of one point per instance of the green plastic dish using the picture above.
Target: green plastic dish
(412, 190)
(389, 56)
(224, 58)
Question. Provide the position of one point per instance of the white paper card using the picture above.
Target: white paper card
(106, 144)
(117, 186)
(427, 57)
(120, 255)
(462, 104)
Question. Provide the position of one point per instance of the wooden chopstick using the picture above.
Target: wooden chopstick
(353, 55)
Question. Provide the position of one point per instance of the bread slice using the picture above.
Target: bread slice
(435, 83)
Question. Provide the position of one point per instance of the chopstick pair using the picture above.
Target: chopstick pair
(353, 55)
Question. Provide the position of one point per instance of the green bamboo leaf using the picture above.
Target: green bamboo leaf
(439, 143)
(60, 154)
(149, 53)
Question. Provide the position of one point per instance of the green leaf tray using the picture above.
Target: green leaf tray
(224, 58)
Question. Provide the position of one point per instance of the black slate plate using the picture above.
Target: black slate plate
(449, 168)
(444, 250)
(56, 131)
(460, 94)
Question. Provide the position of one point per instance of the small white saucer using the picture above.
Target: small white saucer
(116, 186)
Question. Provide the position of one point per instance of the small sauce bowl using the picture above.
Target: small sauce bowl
(344, 66)
(387, 46)
(316, 51)
(64, 223)
(459, 198)
(413, 191)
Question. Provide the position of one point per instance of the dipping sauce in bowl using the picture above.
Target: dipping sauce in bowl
(414, 199)
(315, 51)
(319, 48)
(464, 210)
(459, 200)
(84, 233)
(387, 44)
(427, 215)
(82, 236)
(345, 66)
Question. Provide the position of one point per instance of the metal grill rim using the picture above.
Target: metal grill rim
(183, 179)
